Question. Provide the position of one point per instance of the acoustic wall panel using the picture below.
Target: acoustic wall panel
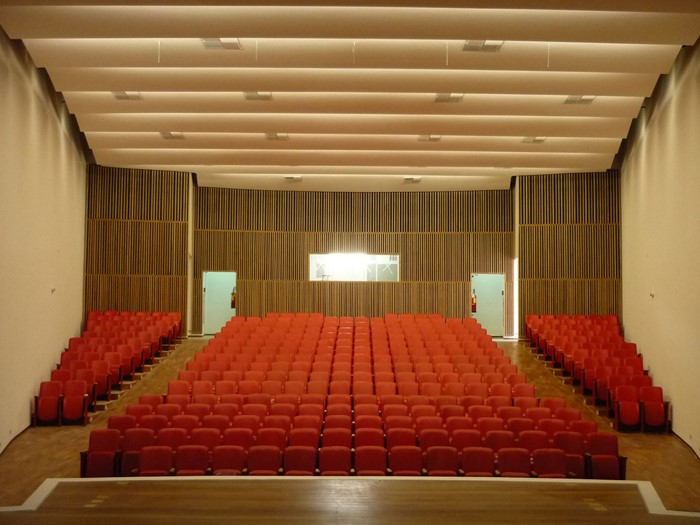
(136, 256)
(267, 236)
(569, 249)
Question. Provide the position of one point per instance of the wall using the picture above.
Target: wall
(42, 234)
(267, 236)
(661, 241)
(569, 244)
(137, 239)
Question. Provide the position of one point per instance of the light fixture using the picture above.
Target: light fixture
(172, 135)
(485, 46)
(292, 178)
(579, 99)
(449, 97)
(127, 95)
(257, 95)
(222, 43)
(412, 180)
(429, 138)
(534, 140)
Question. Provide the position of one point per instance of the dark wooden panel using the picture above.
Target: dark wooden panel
(136, 240)
(569, 244)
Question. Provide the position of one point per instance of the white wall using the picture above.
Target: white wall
(661, 244)
(42, 225)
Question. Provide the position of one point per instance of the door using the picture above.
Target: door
(219, 298)
(488, 302)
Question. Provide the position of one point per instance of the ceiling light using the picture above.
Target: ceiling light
(412, 180)
(429, 138)
(276, 136)
(127, 95)
(292, 178)
(222, 43)
(257, 95)
(579, 99)
(172, 135)
(487, 46)
(449, 97)
(534, 140)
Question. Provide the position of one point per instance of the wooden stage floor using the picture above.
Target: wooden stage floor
(366, 501)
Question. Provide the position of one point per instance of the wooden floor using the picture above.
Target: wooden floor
(368, 501)
(52, 452)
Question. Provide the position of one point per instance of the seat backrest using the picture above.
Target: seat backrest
(602, 443)
(104, 440)
(441, 458)
(478, 461)
(50, 389)
(264, 457)
(334, 458)
(406, 459)
(514, 461)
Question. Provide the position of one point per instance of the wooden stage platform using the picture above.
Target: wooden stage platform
(365, 501)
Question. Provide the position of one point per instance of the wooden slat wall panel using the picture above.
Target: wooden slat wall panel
(266, 237)
(440, 212)
(569, 250)
(136, 235)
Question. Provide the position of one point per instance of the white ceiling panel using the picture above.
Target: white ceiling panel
(461, 93)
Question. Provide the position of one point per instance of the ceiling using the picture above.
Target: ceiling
(359, 96)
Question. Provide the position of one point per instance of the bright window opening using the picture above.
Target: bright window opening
(353, 267)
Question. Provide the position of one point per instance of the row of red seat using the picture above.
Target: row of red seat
(265, 412)
(591, 350)
(141, 452)
(111, 349)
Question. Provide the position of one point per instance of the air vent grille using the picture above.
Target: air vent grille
(127, 95)
(449, 97)
(257, 95)
(276, 136)
(579, 99)
(172, 135)
(485, 46)
(222, 43)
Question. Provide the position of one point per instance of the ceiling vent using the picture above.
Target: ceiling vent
(292, 178)
(222, 43)
(127, 95)
(276, 136)
(257, 95)
(429, 138)
(579, 99)
(412, 180)
(172, 135)
(485, 46)
(534, 140)
(449, 97)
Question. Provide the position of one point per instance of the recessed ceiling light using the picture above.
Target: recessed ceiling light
(257, 95)
(127, 95)
(276, 136)
(486, 46)
(413, 180)
(222, 43)
(429, 138)
(449, 97)
(172, 135)
(579, 99)
(534, 140)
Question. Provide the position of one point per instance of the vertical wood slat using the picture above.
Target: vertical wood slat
(569, 252)
(136, 234)
(267, 236)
